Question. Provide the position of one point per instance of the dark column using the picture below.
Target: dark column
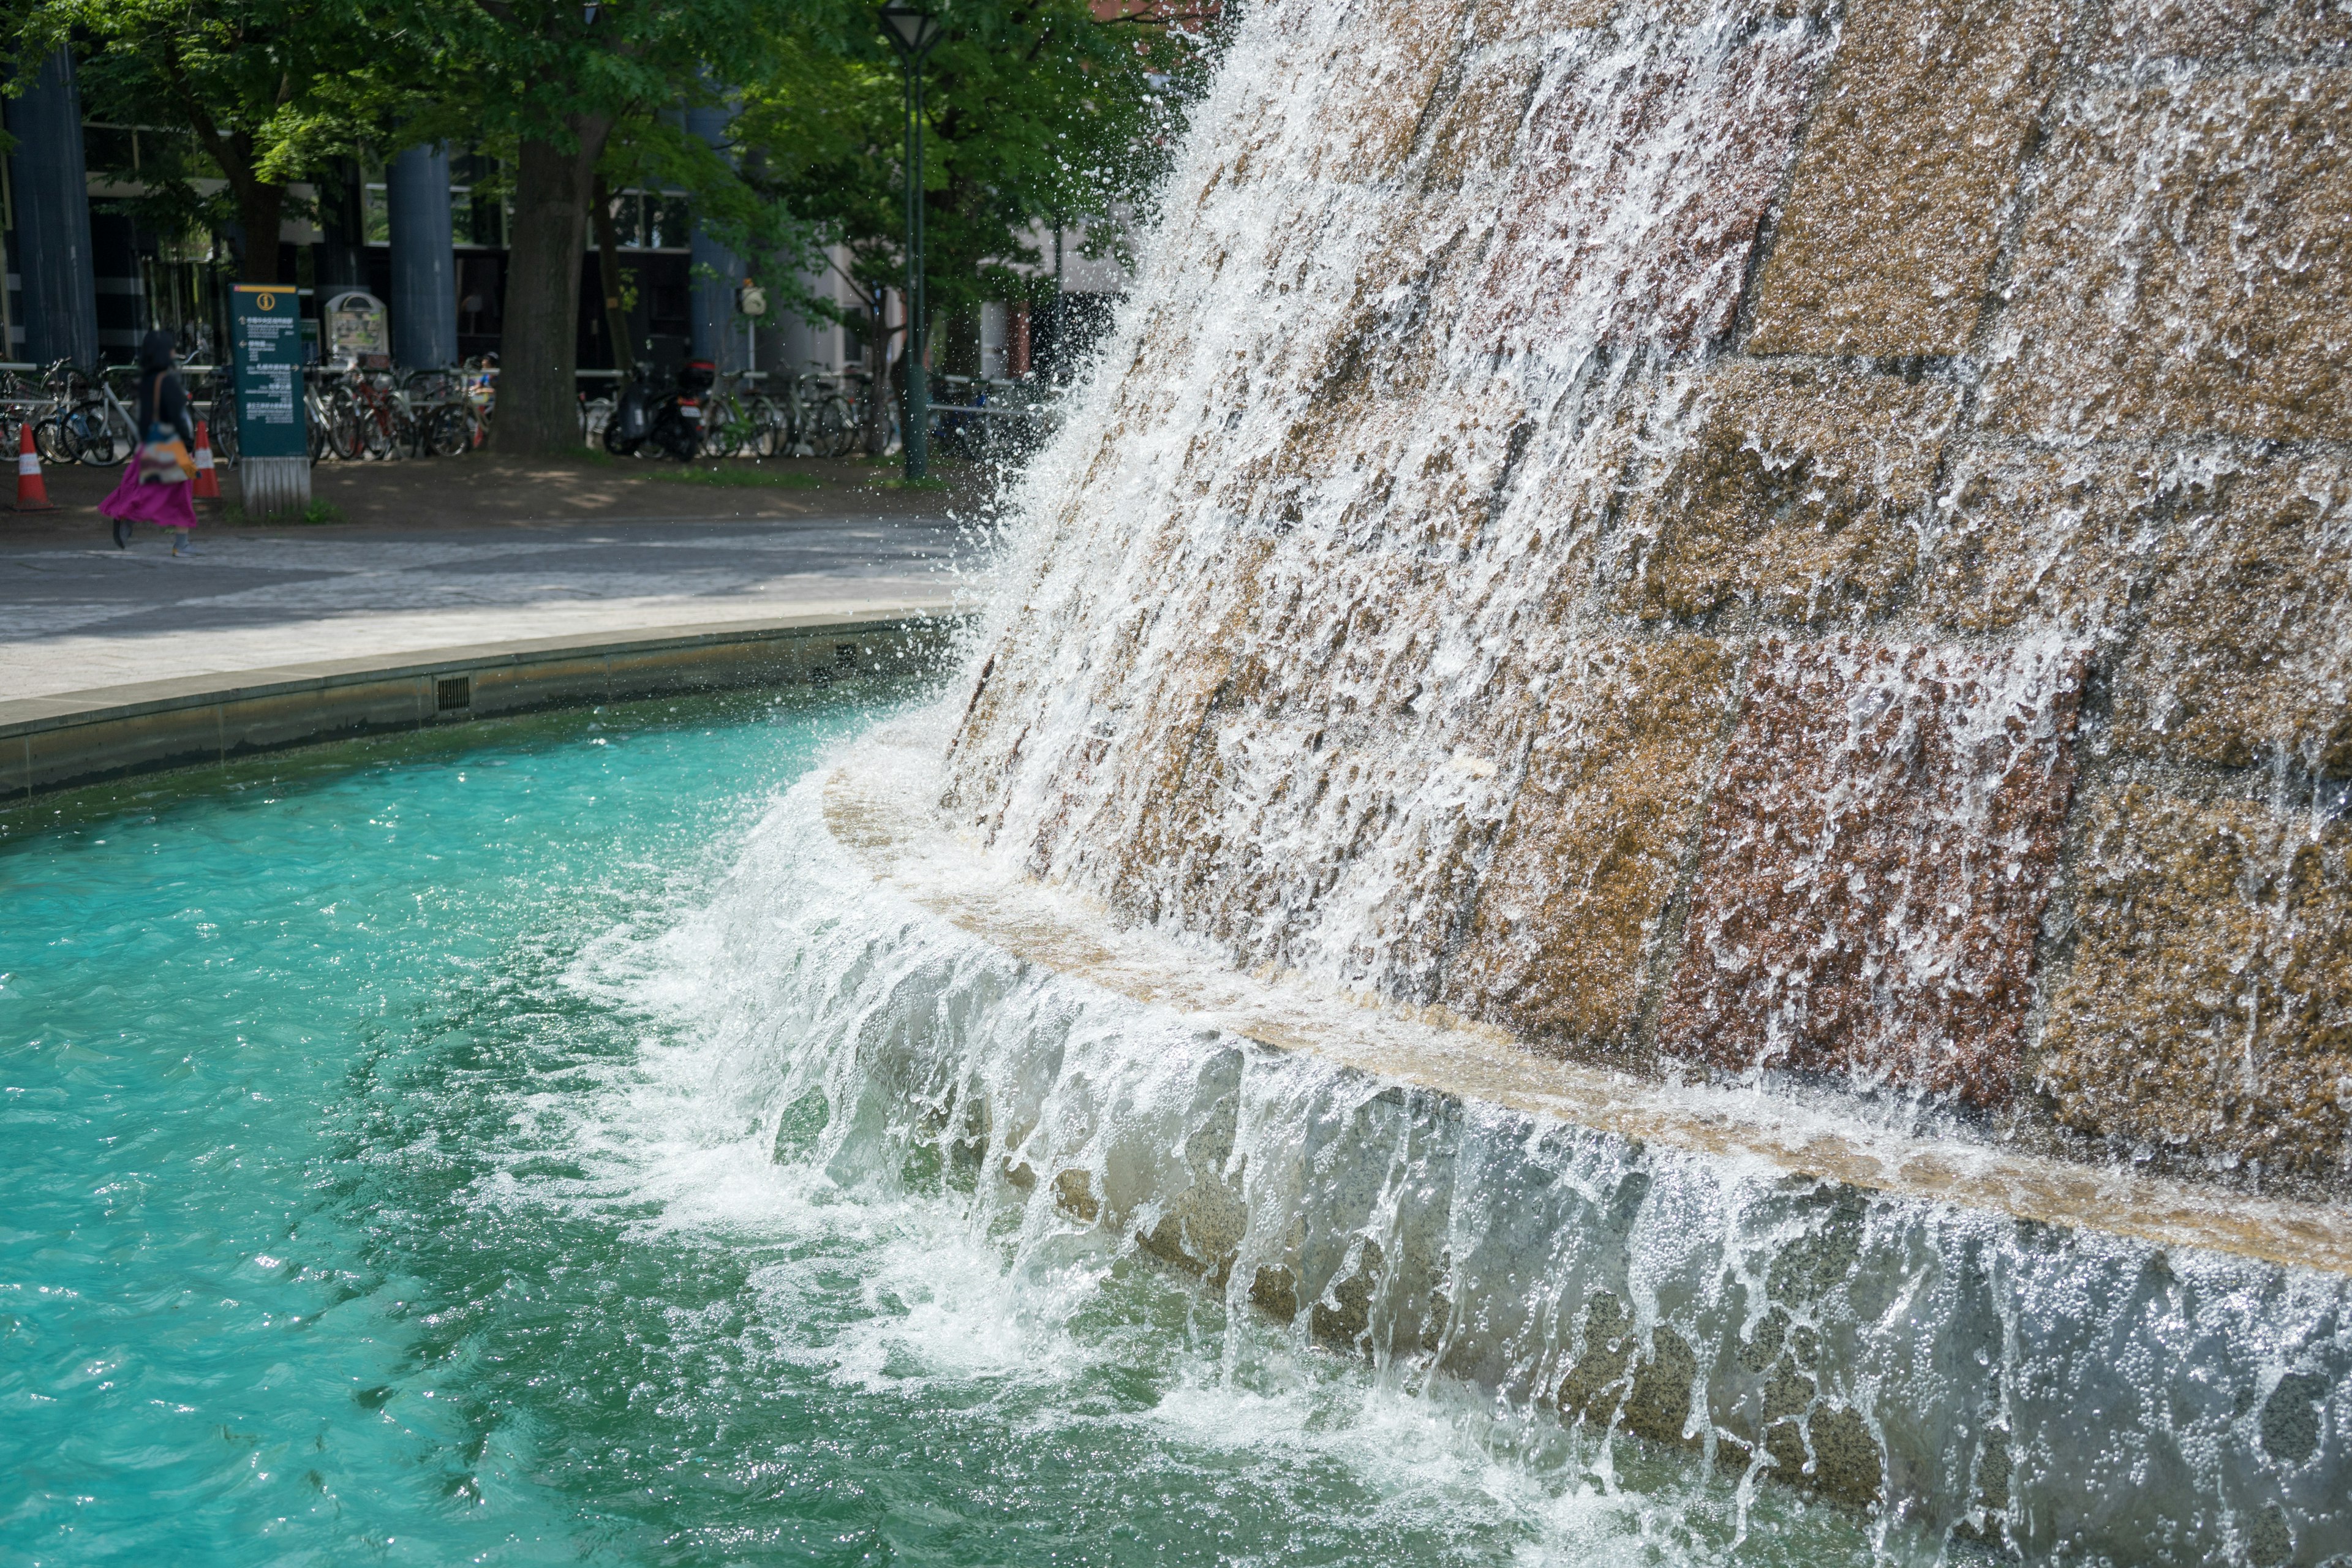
(717, 335)
(52, 190)
(343, 219)
(424, 299)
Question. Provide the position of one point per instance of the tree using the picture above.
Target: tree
(267, 91)
(559, 76)
(1037, 112)
(656, 152)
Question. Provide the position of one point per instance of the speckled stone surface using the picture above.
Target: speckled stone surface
(1877, 853)
(1800, 490)
(1670, 503)
(2209, 1006)
(1894, 217)
(2183, 267)
(1572, 907)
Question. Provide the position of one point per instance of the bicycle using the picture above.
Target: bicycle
(823, 422)
(595, 412)
(448, 423)
(861, 398)
(330, 418)
(386, 423)
(481, 395)
(769, 423)
(95, 429)
(223, 424)
(732, 427)
(64, 388)
(22, 406)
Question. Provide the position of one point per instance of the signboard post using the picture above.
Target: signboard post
(751, 302)
(273, 437)
(357, 332)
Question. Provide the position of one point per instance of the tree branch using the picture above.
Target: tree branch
(235, 166)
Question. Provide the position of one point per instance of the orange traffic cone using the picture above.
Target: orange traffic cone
(207, 482)
(32, 490)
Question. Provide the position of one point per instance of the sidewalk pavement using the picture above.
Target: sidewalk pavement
(77, 613)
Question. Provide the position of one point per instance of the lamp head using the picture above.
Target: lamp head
(912, 28)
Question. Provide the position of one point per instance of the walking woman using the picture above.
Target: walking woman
(159, 485)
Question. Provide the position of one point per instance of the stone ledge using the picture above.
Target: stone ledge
(1960, 1338)
(1433, 1049)
(83, 737)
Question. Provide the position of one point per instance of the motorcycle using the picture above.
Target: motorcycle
(671, 423)
(632, 415)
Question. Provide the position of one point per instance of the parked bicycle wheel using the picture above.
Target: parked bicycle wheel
(220, 426)
(835, 432)
(345, 438)
(765, 423)
(379, 431)
(447, 432)
(726, 430)
(93, 437)
(50, 439)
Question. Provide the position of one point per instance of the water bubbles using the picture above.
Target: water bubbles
(1032, 1140)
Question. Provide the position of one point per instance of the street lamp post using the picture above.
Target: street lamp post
(913, 29)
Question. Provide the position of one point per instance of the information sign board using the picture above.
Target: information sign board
(357, 332)
(267, 339)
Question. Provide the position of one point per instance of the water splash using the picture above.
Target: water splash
(1962, 1376)
(1535, 430)
(1766, 545)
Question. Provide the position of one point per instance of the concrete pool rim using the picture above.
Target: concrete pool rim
(1432, 1050)
(72, 739)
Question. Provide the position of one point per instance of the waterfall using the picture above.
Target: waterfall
(1787, 542)
(1783, 554)
(1970, 1379)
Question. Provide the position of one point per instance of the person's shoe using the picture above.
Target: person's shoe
(183, 545)
(123, 533)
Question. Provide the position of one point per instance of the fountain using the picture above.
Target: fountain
(1671, 733)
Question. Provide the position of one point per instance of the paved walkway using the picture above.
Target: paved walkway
(77, 613)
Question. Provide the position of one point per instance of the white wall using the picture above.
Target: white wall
(792, 342)
(996, 340)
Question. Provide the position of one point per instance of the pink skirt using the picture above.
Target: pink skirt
(165, 506)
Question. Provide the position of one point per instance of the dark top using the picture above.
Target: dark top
(171, 408)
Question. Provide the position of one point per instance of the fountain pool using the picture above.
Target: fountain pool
(390, 1181)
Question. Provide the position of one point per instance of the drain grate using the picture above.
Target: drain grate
(454, 692)
(845, 654)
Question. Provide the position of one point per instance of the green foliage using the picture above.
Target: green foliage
(1039, 112)
(257, 92)
(546, 69)
(1035, 112)
(651, 150)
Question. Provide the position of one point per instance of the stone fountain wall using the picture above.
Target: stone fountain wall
(1751, 537)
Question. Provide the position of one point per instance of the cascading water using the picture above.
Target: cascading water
(1682, 531)
(1782, 564)
(1969, 1379)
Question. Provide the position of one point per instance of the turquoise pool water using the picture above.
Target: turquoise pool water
(354, 1211)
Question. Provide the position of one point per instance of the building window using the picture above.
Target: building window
(651, 220)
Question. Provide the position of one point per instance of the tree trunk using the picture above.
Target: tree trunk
(539, 399)
(877, 366)
(608, 272)
(259, 208)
